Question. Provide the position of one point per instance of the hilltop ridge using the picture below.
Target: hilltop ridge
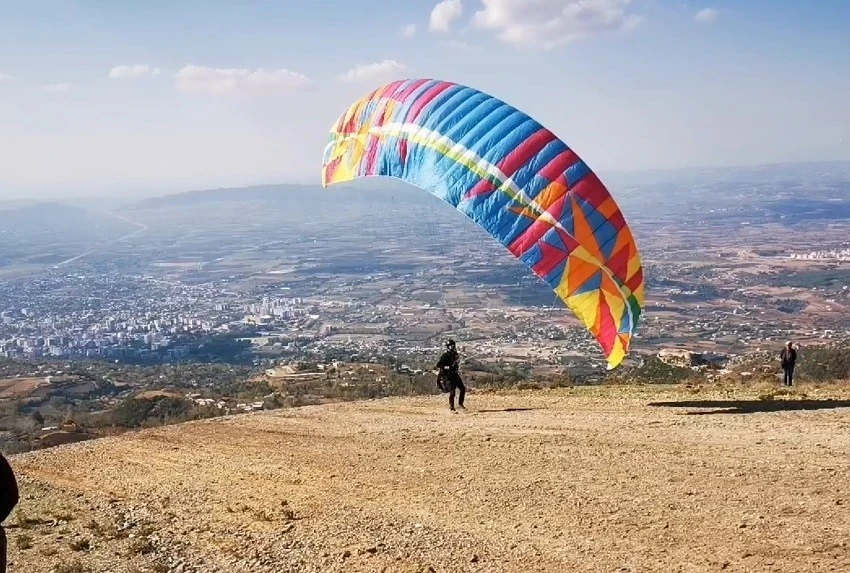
(289, 193)
(581, 479)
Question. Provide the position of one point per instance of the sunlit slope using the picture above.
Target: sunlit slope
(605, 479)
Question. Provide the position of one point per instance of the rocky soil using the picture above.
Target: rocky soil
(593, 479)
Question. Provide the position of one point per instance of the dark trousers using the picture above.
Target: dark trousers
(789, 375)
(455, 383)
(2, 550)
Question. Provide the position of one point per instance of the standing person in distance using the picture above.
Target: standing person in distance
(449, 375)
(788, 359)
(8, 501)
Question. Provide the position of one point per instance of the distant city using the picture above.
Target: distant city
(301, 272)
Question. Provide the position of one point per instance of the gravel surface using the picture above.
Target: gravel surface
(586, 479)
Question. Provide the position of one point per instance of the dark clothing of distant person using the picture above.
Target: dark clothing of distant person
(788, 357)
(450, 376)
(8, 501)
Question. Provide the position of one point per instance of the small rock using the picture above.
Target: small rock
(474, 559)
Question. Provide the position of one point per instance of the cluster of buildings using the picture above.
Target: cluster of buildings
(91, 336)
(271, 310)
(104, 316)
(831, 255)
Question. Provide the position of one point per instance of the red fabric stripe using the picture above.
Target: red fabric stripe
(425, 99)
(537, 229)
(372, 145)
(559, 164)
(556, 209)
(332, 167)
(523, 153)
(607, 328)
(552, 257)
(634, 281)
(402, 151)
(404, 94)
(529, 237)
(351, 126)
(618, 263)
(516, 159)
(569, 241)
(617, 220)
(591, 189)
(391, 89)
(483, 187)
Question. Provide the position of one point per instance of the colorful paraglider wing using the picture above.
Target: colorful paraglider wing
(514, 178)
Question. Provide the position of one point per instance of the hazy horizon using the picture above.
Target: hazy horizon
(613, 178)
(178, 96)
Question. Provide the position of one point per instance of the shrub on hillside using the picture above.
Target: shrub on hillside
(824, 363)
(655, 371)
(134, 412)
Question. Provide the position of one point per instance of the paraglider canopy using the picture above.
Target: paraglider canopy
(515, 179)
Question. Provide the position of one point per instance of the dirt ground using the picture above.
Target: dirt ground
(19, 387)
(620, 479)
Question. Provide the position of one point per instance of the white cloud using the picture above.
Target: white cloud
(409, 31)
(238, 81)
(549, 23)
(444, 14)
(57, 88)
(383, 70)
(133, 72)
(5, 77)
(707, 15)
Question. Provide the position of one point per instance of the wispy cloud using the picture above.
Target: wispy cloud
(5, 77)
(57, 88)
(408, 31)
(707, 15)
(133, 72)
(383, 70)
(444, 14)
(238, 81)
(550, 23)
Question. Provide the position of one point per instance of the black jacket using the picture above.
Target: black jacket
(448, 363)
(788, 357)
(8, 489)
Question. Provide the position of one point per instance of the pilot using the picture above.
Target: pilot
(449, 375)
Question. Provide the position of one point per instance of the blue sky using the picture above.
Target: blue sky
(640, 84)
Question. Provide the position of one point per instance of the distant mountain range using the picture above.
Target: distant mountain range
(295, 194)
(53, 217)
(670, 189)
